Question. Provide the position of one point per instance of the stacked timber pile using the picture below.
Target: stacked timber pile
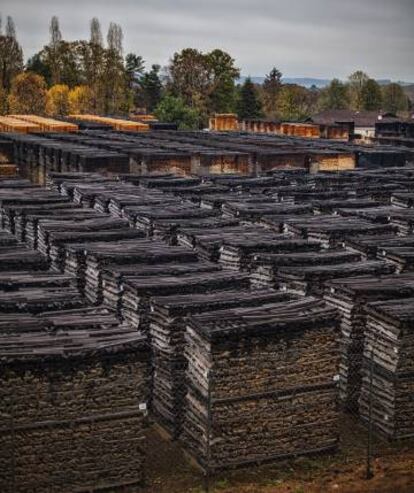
(207, 242)
(31, 223)
(70, 408)
(7, 239)
(330, 206)
(170, 230)
(56, 181)
(15, 280)
(40, 298)
(350, 296)
(312, 279)
(332, 230)
(167, 330)
(15, 125)
(217, 201)
(237, 252)
(21, 212)
(145, 216)
(371, 246)
(255, 210)
(169, 182)
(403, 219)
(224, 122)
(81, 319)
(118, 203)
(400, 256)
(98, 256)
(59, 240)
(389, 363)
(403, 199)
(196, 192)
(260, 383)
(114, 276)
(266, 266)
(47, 124)
(15, 199)
(116, 123)
(81, 224)
(139, 290)
(20, 258)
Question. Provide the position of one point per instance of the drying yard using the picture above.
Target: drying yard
(244, 294)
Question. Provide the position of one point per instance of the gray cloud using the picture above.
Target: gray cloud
(320, 38)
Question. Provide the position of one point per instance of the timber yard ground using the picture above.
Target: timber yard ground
(171, 471)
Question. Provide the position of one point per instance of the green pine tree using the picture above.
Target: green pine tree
(249, 105)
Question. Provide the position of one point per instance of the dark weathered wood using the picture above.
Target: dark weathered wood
(254, 374)
(389, 342)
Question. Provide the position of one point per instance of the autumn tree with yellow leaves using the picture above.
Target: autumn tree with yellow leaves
(27, 94)
(81, 100)
(57, 100)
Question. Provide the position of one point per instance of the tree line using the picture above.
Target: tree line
(95, 76)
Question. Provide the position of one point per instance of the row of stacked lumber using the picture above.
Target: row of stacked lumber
(74, 381)
(115, 123)
(191, 153)
(171, 271)
(227, 122)
(303, 260)
(174, 259)
(34, 123)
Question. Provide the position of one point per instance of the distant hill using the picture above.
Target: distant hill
(307, 81)
(301, 81)
(320, 83)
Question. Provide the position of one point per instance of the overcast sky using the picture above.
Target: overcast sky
(311, 38)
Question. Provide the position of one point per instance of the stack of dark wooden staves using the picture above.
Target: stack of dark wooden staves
(167, 331)
(71, 403)
(114, 277)
(400, 256)
(237, 252)
(388, 368)
(261, 383)
(332, 230)
(312, 280)
(370, 247)
(100, 255)
(350, 297)
(266, 266)
(138, 291)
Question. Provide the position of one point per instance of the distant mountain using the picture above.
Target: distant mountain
(310, 81)
(301, 81)
(306, 81)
